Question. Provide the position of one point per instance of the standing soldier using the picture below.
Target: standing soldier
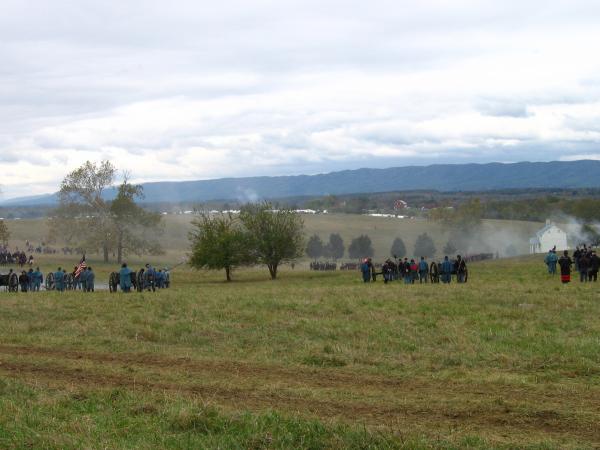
(89, 279)
(594, 266)
(24, 281)
(38, 279)
(584, 265)
(565, 264)
(423, 270)
(461, 269)
(125, 278)
(59, 280)
(83, 275)
(446, 270)
(551, 259)
(365, 268)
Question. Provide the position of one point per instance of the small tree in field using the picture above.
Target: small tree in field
(424, 246)
(335, 248)
(219, 243)
(4, 233)
(398, 249)
(277, 235)
(361, 247)
(314, 248)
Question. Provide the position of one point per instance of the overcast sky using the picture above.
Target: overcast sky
(197, 89)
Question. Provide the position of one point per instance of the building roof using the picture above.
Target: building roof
(547, 227)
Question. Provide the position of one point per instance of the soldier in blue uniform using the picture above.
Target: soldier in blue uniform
(38, 279)
(446, 270)
(423, 270)
(125, 278)
(551, 259)
(59, 280)
(89, 279)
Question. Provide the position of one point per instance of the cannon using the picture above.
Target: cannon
(10, 282)
(69, 282)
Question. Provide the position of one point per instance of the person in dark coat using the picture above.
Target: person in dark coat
(461, 269)
(24, 281)
(594, 266)
(565, 264)
(584, 267)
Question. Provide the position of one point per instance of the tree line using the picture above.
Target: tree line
(362, 247)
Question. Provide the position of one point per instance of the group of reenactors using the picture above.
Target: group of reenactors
(411, 271)
(586, 262)
(323, 266)
(152, 279)
(17, 257)
(32, 280)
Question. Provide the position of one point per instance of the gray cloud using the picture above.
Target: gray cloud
(197, 90)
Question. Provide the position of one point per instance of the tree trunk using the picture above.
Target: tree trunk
(273, 270)
(228, 273)
(105, 250)
(120, 249)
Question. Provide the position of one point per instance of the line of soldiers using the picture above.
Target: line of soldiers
(84, 280)
(587, 263)
(412, 271)
(16, 257)
(30, 281)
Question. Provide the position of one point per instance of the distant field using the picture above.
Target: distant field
(312, 360)
(382, 231)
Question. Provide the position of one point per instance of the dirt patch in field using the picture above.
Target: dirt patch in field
(430, 405)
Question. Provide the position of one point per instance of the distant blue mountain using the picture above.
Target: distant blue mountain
(440, 177)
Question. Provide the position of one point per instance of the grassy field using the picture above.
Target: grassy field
(382, 231)
(312, 360)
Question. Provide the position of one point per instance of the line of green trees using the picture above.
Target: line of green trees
(362, 247)
(258, 235)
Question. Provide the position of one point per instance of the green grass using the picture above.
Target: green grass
(312, 360)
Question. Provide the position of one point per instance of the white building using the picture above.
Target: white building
(547, 238)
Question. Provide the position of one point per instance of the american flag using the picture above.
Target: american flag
(80, 267)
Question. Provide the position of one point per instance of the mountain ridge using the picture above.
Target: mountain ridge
(440, 177)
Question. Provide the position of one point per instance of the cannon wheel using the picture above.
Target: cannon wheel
(113, 281)
(140, 280)
(13, 282)
(50, 284)
(134, 282)
(69, 281)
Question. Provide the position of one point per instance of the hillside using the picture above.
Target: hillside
(441, 177)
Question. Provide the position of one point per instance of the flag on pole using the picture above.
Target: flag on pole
(80, 267)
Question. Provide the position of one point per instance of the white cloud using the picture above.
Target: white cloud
(204, 90)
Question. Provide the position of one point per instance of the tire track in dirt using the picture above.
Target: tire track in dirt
(545, 422)
(471, 413)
